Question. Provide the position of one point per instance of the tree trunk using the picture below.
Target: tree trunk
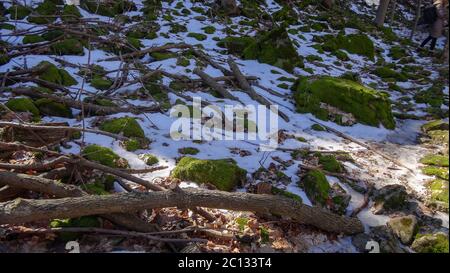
(26, 210)
(416, 21)
(381, 12)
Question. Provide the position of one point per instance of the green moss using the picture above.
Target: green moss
(23, 105)
(101, 83)
(128, 126)
(434, 96)
(97, 188)
(439, 190)
(274, 48)
(44, 13)
(283, 86)
(52, 108)
(317, 127)
(52, 34)
(242, 222)
(397, 52)
(83, 221)
(236, 45)
(329, 163)
(70, 14)
(434, 125)
(197, 36)
(17, 12)
(316, 186)
(188, 151)
(132, 145)
(67, 47)
(104, 156)
(209, 29)
(366, 104)
(388, 73)
(55, 75)
(107, 8)
(223, 174)
(287, 194)
(183, 61)
(150, 159)
(32, 39)
(353, 43)
(431, 243)
(436, 171)
(341, 55)
(7, 26)
(435, 160)
(160, 56)
(4, 59)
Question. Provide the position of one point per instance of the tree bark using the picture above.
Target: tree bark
(26, 210)
(416, 21)
(381, 12)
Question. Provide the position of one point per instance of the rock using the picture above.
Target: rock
(435, 125)
(387, 241)
(360, 241)
(223, 174)
(340, 199)
(104, 156)
(274, 48)
(438, 194)
(404, 227)
(52, 108)
(389, 198)
(149, 159)
(367, 105)
(316, 187)
(431, 243)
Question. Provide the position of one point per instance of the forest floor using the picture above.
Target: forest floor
(390, 160)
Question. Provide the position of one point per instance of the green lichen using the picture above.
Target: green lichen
(67, 47)
(104, 156)
(316, 186)
(53, 74)
(188, 151)
(52, 108)
(128, 126)
(366, 104)
(222, 173)
(23, 105)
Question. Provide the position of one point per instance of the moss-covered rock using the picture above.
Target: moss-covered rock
(150, 159)
(438, 194)
(70, 14)
(390, 198)
(274, 48)
(435, 160)
(32, 39)
(197, 36)
(439, 172)
(353, 43)
(104, 156)
(329, 163)
(23, 105)
(188, 151)
(434, 125)
(404, 227)
(287, 194)
(160, 56)
(388, 73)
(316, 186)
(127, 126)
(44, 13)
(101, 83)
(107, 8)
(52, 108)
(223, 174)
(53, 74)
(18, 12)
(431, 243)
(236, 45)
(366, 104)
(69, 46)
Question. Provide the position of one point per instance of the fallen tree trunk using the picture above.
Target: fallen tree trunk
(147, 50)
(26, 210)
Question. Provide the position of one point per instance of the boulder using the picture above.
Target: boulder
(367, 105)
(431, 243)
(390, 198)
(222, 173)
(404, 227)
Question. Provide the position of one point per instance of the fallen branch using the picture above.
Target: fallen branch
(26, 210)
(214, 85)
(145, 51)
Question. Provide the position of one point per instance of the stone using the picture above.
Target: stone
(404, 227)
